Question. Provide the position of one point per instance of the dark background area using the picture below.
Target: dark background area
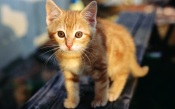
(156, 90)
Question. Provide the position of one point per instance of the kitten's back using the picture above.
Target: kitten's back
(120, 49)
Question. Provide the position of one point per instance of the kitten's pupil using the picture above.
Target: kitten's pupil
(61, 34)
(78, 34)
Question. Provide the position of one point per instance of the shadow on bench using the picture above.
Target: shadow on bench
(52, 94)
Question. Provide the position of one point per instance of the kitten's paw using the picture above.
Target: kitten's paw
(71, 103)
(112, 96)
(99, 102)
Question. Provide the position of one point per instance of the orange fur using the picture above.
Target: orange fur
(105, 50)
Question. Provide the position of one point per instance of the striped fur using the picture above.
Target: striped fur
(105, 52)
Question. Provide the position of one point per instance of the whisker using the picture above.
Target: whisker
(55, 65)
(49, 59)
(93, 49)
(49, 51)
(90, 53)
(83, 59)
(49, 46)
(87, 58)
(55, 60)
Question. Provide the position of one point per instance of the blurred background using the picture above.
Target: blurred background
(26, 63)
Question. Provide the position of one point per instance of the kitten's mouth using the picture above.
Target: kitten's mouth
(72, 51)
(69, 49)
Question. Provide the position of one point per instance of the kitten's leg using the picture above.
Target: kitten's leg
(72, 88)
(117, 86)
(101, 90)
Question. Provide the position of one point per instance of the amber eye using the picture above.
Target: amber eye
(78, 34)
(61, 34)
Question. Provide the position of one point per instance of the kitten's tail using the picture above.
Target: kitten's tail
(136, 69)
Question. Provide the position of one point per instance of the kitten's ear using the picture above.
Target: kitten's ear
(52, 11)
(90, 13)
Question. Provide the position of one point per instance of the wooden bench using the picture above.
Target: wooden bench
(52, 94)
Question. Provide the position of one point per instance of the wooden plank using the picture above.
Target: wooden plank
(52, 95)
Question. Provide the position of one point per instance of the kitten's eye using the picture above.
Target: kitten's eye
(61, 34)
(78, 34)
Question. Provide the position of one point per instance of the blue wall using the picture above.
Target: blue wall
(21, 21)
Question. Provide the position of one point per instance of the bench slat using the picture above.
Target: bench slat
(51, 95)
(51, 91)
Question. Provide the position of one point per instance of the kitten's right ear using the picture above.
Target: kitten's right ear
(52, 11)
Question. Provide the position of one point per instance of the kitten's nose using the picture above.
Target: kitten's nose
(69, 46)
(69, 43)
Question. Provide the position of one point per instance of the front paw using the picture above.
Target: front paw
(112, 96)
(97, 102)
(71, 102)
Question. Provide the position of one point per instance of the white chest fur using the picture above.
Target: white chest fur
(72, 65)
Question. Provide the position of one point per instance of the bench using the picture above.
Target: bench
(52, 94)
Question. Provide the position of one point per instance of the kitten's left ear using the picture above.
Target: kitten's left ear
(52, 11)
(90, 13)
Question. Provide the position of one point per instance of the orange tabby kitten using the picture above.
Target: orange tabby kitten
(90, 46)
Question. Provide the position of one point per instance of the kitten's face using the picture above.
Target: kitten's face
(71, 30)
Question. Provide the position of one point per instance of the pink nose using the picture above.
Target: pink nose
(69, 46)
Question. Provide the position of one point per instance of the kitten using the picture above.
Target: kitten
(91, 46)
